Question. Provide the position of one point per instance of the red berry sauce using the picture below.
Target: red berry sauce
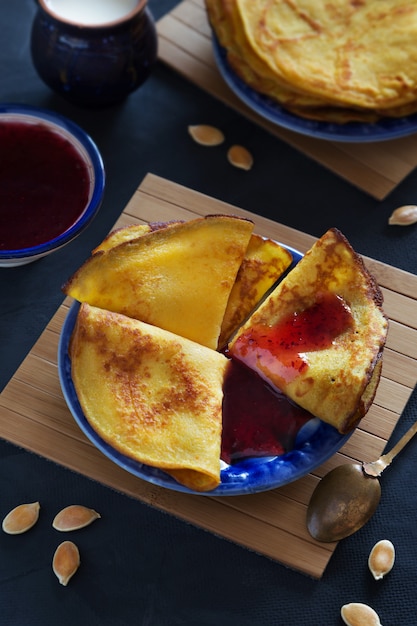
(44, 184)
(258, 419)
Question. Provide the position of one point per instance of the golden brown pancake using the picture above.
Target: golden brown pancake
(120, 235)
(335, 61)
(264, 263)
(152, 395)
(178, 278)
(357, 53)
(319, 335)
(128, 233)
(225, 20)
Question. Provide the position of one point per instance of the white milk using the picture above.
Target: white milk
(91, 12)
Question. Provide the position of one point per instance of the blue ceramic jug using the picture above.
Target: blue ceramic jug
(97, 61)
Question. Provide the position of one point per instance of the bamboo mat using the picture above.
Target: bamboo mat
(185, 46)
(34, 415)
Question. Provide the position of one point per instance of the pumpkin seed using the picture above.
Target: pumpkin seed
(21, 518)
(206, 135)
(404, 216)
(381, 558)
(66, 561)
(358, 614)
(240, 157)
(74, 517)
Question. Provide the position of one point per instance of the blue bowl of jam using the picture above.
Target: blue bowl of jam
(52, 182)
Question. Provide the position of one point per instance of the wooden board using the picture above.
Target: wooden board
(34, 415)
(376, 168)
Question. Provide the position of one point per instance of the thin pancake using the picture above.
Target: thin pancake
(264, 263)
(290, 29)
(351, 53)
(129, 233)
(320, 334)
(152, 395)
(225, 20)
(178, 278)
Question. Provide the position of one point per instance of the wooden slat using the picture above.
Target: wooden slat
(400, 367)
(34, 415)
(376, 168)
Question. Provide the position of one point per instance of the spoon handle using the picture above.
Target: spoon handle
(377, 467)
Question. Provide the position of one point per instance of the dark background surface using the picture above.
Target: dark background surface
(141, 566)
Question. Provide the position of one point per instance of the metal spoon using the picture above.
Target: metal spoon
(347, 497)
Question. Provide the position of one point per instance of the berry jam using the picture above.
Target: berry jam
(44, 184)
(279, 351)
(257, 420)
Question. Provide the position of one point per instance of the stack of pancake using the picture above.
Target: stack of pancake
(336, 61)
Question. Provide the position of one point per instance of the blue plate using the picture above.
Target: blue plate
(387, 128)
(315, 443)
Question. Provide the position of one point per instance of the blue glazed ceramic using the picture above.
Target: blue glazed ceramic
(315, 442)
(94, 65)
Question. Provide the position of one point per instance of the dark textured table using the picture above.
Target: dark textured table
(141, 566)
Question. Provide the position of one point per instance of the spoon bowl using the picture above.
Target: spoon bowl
(347, 497)
(354, 499)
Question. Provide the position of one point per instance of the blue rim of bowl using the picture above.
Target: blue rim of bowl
(350, 132)
(316, 441)
(99, 178)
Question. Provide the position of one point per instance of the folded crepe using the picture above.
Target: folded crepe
(178, 278)
(152, 395)
(319, 335)
(264, 263)
(128, 233)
